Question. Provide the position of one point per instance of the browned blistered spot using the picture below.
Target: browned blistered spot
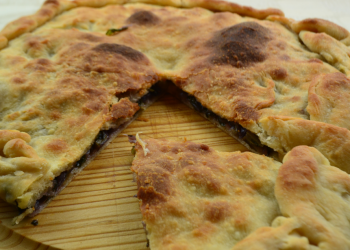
(299, 171)
(149, 196)
(205, 230)
(202, 178)
(165, 164)
(187, 158)
(32, 43)
(55, 115)
(246, 113)
(194, 147)
(45, 12)
(300, 176)
(44, 61)
(18, 80)
(176, 150)
(123, 50)
(41, 64)
(143, 18)
(92, 107)
(165, 149)
(278, 74)
(240, 45)
(157, 178)
(124, 108)
(57, 146)
(335, 81)
(75, 122)
(204, 147)
(217, 211)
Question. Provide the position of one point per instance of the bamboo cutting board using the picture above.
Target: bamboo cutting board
(97, 210)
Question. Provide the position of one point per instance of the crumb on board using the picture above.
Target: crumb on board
(35, 222)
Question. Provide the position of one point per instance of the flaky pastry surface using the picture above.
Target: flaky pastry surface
(62, 79)
(193, 197)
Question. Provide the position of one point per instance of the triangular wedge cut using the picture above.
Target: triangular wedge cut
(76, 72)
(193, 197)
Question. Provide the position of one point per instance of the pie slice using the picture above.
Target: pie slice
(77, 72)
(193, 197)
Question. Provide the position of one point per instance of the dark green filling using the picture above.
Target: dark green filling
(231, 127)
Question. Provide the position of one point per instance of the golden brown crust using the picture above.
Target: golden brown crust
(281, 236)
(281, 19)
(248, 69)
(7, 135)
(320, 25)
(193, 197)
(23, 175)
(309, 189)
(218, 5)
(328, 99)
(98, 3)
(3, 41)
(123, 109)
(213, 5)
(67, 85)
(285, 133)
(28, 23)
(52, 8)
(241, 68)
(333, 51)
(312, 196)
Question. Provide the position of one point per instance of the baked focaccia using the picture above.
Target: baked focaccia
(193, 197)
(76, 72)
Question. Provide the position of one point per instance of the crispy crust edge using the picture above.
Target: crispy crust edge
(52, 8)
(318, 25)
(48, 10)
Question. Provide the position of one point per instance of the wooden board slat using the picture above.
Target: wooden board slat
(97, 210)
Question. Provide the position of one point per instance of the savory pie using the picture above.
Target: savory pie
(193, 197)
(77, 72)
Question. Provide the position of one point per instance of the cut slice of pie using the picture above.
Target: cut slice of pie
(76, 72)
(193, 197)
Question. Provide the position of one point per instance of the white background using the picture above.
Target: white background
(337, 11)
